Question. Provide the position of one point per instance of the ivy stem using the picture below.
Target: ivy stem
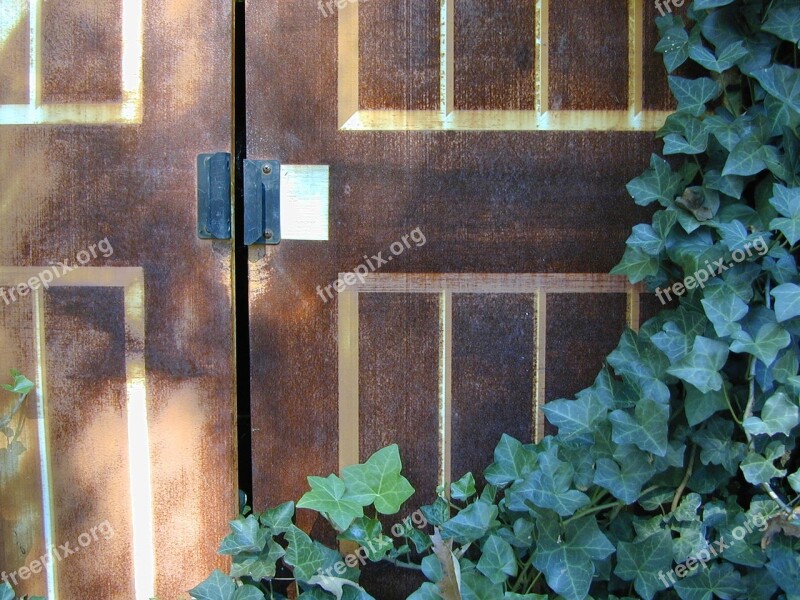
(403, 565)
(524, 571)
(751, 394)
(730, 406)
(689, 470)
(592, 510)
(766, 292)
(533, 583)
(748, 412)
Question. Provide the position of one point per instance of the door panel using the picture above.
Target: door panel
(129, 439)
(510, 156)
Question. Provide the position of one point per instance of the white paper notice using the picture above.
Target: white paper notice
(305, 193)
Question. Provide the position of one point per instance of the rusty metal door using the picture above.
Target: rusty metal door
(124, 467)
(476, 155)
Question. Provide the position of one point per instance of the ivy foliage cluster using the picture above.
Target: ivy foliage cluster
(12, 420)
(675, 475)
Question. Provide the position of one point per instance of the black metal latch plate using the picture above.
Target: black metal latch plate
(262, 202)
(214, 196)
(262, 199)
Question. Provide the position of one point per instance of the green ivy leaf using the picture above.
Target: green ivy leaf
(708, 4)
(512, 462)
(757, 469)
(700, 406)
(646, 428)
(770, 339)
(248, 592)
(340, 587)
(794, 481)
(658, 183)
(716, 581)
(787, 202)
(470, 524)
(674, 45)
(497, 560)
(280, 518)
(245, 536)
(567, 559)
(464, 488)
(729, 56)
(642, 363)
(784, 566)
(329, 496)
(218, 586)
(693, 94)
(676, 337)
(20, 385)
(574, 418)
(724, 308)
(437, 513)
(718, 447)
(6, 593)
(782, 82)
(368, 533)
(787, 301)
(258, 566)
(702, 365)
(475, 586)
(624, 476)
(636, 265)
(784, 22)
(645, 239)
(641, 561)
(379, 481)
(747, 158)
(779, 415)
(302, 554)
(428, 591)
(551, 487)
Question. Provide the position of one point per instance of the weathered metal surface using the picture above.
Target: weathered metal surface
(136, 351)
(488, 202)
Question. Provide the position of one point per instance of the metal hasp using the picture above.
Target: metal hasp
(214, 196)
(262, 202)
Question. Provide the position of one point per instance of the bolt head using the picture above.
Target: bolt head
(266, 169)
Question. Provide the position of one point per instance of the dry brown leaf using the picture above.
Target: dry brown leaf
(781, 524)
(450, 583)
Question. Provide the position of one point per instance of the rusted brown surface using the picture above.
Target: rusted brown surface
(494, 55)
(14, 56)
(589, 55)
(493, 360)
(487, 202)
(397, 330)
(400, 49)
(81, 51)
(65, 187)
